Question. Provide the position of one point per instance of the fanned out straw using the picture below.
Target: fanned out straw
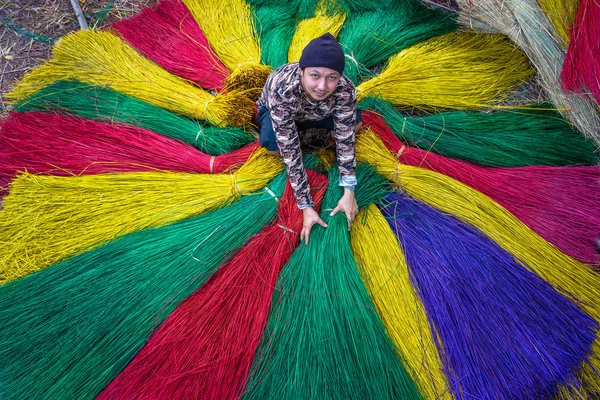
(325, 20)
(572, 278)
(276, 26)
(81, 321)
(581, 69)
(101, 58)
(559, 203)
(41, 143)
(386, 276)
(503, 332)
(457, 70)
(324, 338)
(47, 218)
(534, 135)
(371, 37)
(524, 22)
(229, 28)
(562, 14)
(107, 105)
(205, 348)
(156, 38)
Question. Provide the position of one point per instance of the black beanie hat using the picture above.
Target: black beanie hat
(323, 51)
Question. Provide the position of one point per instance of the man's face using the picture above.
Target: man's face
(319, 82)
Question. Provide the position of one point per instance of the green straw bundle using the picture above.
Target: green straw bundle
(108, 105)
(537, 135)
(276, 26)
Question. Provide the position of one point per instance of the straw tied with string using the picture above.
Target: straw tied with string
(54, 144)
(99, 102)
(46, 218)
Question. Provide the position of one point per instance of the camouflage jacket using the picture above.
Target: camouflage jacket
(287, 103)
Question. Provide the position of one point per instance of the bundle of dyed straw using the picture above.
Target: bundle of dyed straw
(150, 249)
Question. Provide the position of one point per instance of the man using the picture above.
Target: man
(312, 93)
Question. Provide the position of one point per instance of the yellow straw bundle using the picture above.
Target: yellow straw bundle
(386, 276)
(457, 70)
(325, 20)
(101, 58)
(229, 28)
(46, 218)
(562, 14)
(572, 278)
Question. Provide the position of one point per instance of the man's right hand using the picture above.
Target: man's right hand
(311, 217)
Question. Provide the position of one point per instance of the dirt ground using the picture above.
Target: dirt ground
(29, 27)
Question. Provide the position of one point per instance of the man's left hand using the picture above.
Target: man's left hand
(348, 205)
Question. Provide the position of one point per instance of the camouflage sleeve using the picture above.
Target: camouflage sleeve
(288, 142)
(345, 122)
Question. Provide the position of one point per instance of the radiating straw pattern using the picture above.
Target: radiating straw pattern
(205, 347)
(105, 303)
(324, 338)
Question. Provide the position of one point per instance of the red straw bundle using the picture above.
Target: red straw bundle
(62, 145)
(206, 346)
(581, 69)
(559, 203)
(173, 44)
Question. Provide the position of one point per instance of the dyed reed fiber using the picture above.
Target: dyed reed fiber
(230, 31)
(529, 28)
(302, 8)
(371, 37)
(47, 218)
(503, 332)
(107, 105)
(562, 14)
(559, 203)
(307, 8)
(386, 276)
(157, 39)
(325, 20)
(101, 58)
(364, 5)
(458, 70)
(324, 338)
(581, 69)
(204, 349)
(535, 135)
(81, 321)
(178, 15)
(276, 26)
(42, 143)
(571, 277)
